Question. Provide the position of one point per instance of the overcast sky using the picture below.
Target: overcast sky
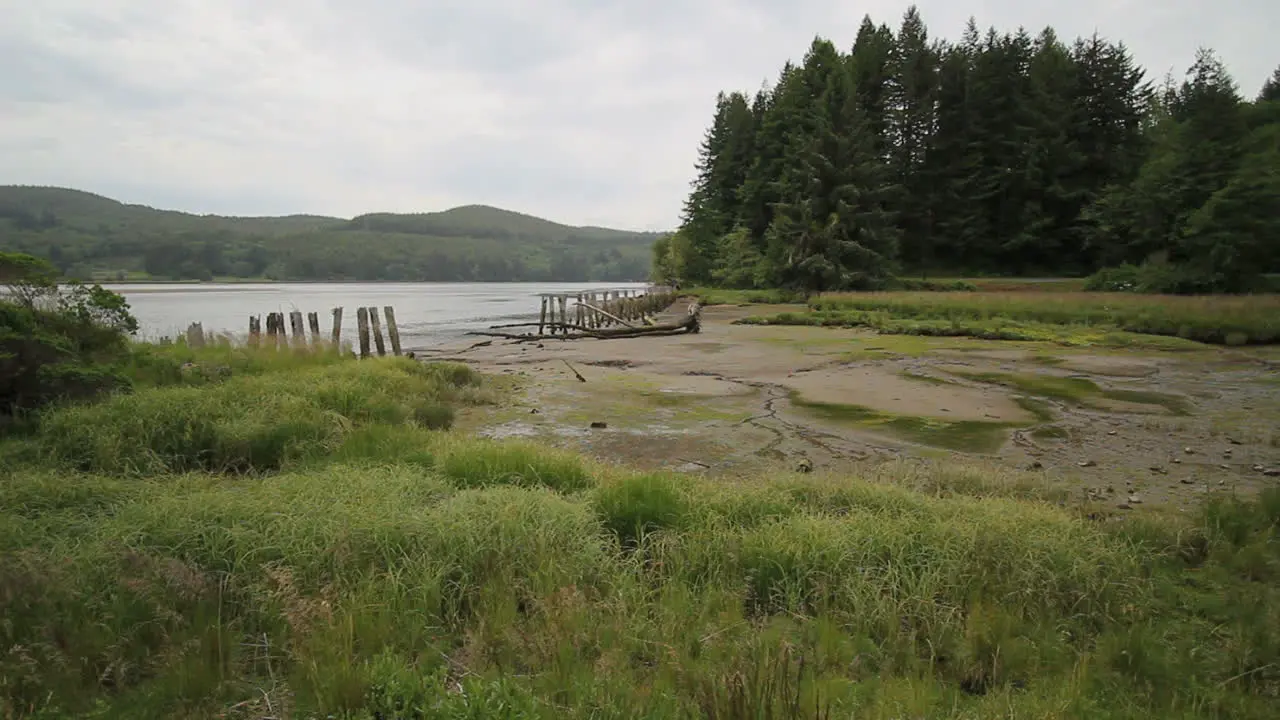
(582, 111)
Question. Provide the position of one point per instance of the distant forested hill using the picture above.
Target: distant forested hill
(90, 236)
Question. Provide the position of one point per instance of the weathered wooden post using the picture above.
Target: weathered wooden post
(313, 320)
(579, 312)
(298, 328)
(564, 313)
(255, 331)
(362, 325)
(337, 329)
(195, 335)
(542, 315)
(375, 327)
(392, 331)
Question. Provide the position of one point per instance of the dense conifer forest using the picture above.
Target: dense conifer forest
(1007, 153)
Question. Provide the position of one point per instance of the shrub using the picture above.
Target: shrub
(56, 342)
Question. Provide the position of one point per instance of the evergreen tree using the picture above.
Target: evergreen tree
(1271, 88)
(912, 118)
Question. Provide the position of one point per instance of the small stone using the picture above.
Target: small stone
(1188, 481)
(1124, 506)
(1271, 472)
(534, 411)
(1086, 463)
(1227, 451)
(1188, 451)
(1222, 482)
(1135, 500)
(944, 409)
(1177, 461)
(1112, 432)
(1158, 470)
(1225, 466)
(599, 425)
(804, 466)
(1234, 441)
(1037, 465)
(1258, 468)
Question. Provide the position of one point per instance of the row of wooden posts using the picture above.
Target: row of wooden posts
(600, 309)
(277, 333)
(368, 326)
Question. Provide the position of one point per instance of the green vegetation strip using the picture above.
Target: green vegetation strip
(1232, 320)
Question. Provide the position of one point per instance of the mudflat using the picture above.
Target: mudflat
(1120, 426)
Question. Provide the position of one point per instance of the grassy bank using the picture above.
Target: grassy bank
(304, 542)
(1063, 317)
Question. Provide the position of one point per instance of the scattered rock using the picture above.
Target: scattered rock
(1135, 500)
(1124, 506)
(1258, 468)
(1227, 452)
(1225, 466)
(598, 425)
(1271, 472)
(1112, 432)
(1037, 465)
(1234, 441)
(1188, 481)
(1177, 461)
(944, 409)
(1222, 482)
(1158, 470)
(1086, 463)
(804, 466)
(534, 411)
(1189, 451)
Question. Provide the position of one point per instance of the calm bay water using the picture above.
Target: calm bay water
(428, 313)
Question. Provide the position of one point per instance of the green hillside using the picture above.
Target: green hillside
(90, 236)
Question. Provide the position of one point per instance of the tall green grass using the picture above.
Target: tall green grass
(255, 423)
(366, 591)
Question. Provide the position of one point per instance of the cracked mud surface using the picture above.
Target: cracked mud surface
(736, 398)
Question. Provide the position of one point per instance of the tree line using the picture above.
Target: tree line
(1002, 153)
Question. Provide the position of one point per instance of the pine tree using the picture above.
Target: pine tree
(1271, 88)
(912, 119)
(870, 64)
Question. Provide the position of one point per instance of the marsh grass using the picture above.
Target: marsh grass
(402, 572)
(254, 423)
(1222, 320)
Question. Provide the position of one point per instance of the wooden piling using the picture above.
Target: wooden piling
(375, 327)
(337, 328)
(362, 324)
(255, 330)
(542, 315)
(195, 335)
(564, 313)
(392, 331)
(313, 320)
(298, 328)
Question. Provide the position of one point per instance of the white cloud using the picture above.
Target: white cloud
(578, 110)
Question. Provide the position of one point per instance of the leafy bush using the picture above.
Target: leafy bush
(56, 342)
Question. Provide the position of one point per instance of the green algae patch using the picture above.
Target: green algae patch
(964, 435)
(1078, 391)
